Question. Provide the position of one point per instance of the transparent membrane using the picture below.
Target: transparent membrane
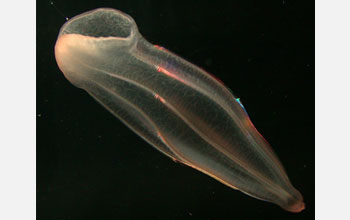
(175, 106)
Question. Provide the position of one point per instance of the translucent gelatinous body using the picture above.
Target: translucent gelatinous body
(175, 106)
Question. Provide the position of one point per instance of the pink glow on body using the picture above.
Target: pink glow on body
(168, 73)
(159, 98)
(159, 47)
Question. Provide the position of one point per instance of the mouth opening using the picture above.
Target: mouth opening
(101, 23)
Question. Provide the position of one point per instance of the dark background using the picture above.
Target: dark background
(91, 166)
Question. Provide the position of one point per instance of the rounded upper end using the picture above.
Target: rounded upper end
(93, 36)
(101, 23)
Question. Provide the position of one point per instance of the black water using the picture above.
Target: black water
(90, 166)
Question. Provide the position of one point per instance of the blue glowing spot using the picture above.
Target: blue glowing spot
(240, 103)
